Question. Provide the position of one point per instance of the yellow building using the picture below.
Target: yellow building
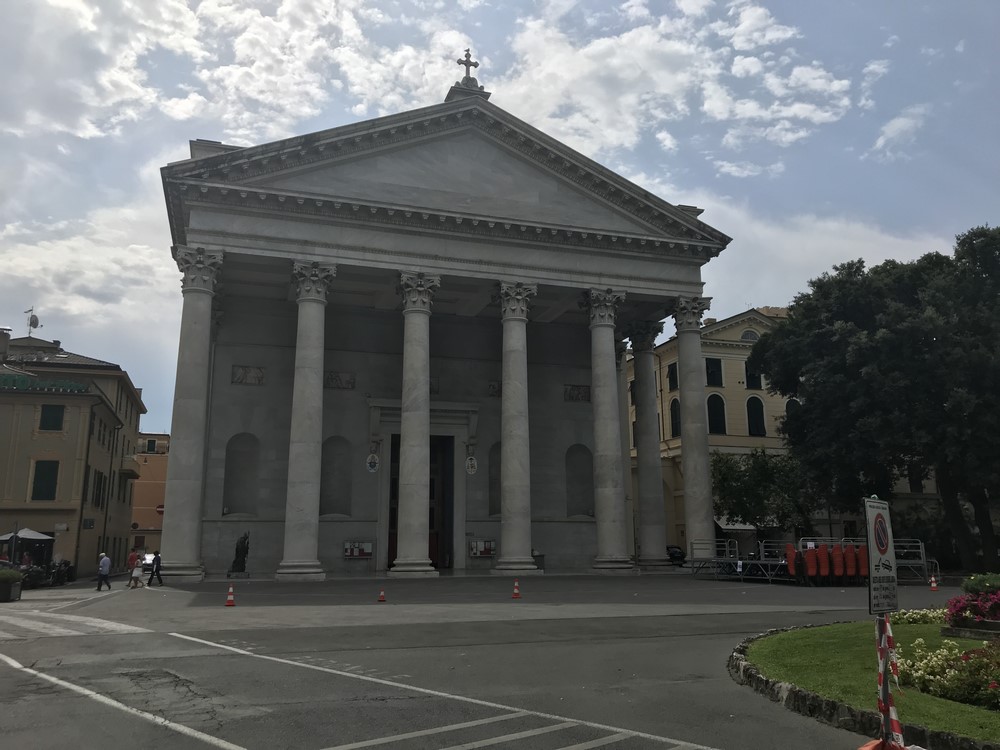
(69, 426)
(149, 490)
(741, 414)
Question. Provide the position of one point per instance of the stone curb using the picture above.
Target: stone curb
(833, 712)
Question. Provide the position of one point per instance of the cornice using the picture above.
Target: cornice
(240, 166)
(184, 194)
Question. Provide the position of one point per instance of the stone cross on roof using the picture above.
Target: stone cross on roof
(469, 63)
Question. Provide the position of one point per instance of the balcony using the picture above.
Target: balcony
(129, 468)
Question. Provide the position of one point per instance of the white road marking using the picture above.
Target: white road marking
(512, 737)
(600, 742)
(159, 720)
(41, 628)
(426, 732)
(104, 626)
(678, 744)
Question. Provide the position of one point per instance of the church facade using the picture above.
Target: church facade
(402, 350)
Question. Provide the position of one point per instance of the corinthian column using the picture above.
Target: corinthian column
(413, 522)
(515, 470)
(652, 527)
(305, 446)
(699, 519)
(181, 541)
(609, 494)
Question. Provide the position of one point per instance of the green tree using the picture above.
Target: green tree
(897, 370)
(761, 489)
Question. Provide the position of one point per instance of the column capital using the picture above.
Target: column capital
(643, 333)
(311, 280)
(688, 311)
(417, 290)
(515, 298)
(201, 268)
(603, 304)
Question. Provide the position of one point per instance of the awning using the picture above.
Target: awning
(27, 534)
(726, 525)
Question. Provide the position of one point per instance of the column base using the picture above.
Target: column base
(516, 563)
(654, 562)
(614, 565)
(412, 568)
(182, 572)
(300, 570)
(429, 573)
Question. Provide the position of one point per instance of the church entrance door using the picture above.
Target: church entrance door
(441, 497)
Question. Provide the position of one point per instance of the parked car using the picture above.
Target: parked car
(676, 555)
(147, 562)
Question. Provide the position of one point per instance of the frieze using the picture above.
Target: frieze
(578, 393)
(484, 227)
(342, 381)
(247, 375)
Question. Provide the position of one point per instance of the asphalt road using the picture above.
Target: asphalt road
(579, 662)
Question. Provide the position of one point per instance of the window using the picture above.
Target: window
(716, 415)
(635, 442)
(46, 478)
(631, 392)
(672, 376)
(755, 417)
(753, 378)
(749, 335)
(240, 488)
(336, 477)
(713, 371)
(494, 479)
(140, 542)
(150, 446)
(52, 417)
(675, 418)
(792, 406)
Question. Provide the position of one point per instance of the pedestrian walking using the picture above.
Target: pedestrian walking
(156, 569)
(135, 569)
(103, 571)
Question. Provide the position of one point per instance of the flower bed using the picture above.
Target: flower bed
(951, 673)
(970, 608)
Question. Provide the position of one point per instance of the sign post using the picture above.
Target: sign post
(882, 599)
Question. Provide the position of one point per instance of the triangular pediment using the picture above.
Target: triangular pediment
(467, 159)
(463, 172)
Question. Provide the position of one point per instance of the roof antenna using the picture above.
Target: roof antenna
(32, 320)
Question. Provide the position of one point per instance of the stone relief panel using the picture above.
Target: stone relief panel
(344, 381)
(247, 375)
(494, 389)
(580, 393)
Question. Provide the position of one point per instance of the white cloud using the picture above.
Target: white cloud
(667, 142)
(694, 7)
(783, 133)
(872, 72)
(744, 67)
(91, 61)
(931, 51)
(899, 132)
(960, 47)
(892, 41)
(754, 27)
(636, 10)
(747, 169)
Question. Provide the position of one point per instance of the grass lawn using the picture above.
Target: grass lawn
(840, 662)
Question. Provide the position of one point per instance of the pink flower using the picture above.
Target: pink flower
(965, 657)
(994, 685)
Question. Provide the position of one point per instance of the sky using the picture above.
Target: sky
(811, 132)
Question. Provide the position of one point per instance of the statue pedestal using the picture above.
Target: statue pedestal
(231, 574)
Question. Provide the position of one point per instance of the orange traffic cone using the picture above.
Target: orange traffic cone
(381, 595)
(933, 583)
(517, 590)
(230, 601)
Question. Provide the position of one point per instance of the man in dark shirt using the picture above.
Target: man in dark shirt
(156, 569)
